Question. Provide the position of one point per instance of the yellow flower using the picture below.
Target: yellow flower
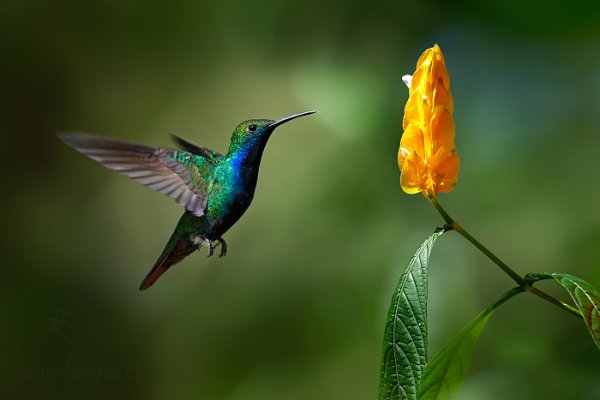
(427, 158)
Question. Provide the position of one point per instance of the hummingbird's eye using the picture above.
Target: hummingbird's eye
(251, 128)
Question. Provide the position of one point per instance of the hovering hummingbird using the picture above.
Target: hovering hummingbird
(215, 189)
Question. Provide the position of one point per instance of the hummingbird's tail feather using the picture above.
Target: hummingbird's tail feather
(157, 270)
(171, 256)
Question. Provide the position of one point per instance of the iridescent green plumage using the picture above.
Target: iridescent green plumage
(215, 189)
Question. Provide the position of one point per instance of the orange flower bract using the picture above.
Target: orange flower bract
(427, 158)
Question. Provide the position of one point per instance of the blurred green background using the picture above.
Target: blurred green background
(297, 308)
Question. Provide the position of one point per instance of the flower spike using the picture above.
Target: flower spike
(427, 157)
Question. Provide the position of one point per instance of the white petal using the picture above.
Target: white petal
(407, 79)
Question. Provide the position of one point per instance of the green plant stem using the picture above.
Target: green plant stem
(511, 293)
(452, 224)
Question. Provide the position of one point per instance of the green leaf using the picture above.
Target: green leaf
(446, 372)
(405, 337)
(586, 299)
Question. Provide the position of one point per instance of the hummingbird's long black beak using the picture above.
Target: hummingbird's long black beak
(289, 118)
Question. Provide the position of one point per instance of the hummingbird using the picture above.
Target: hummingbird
(215, 189)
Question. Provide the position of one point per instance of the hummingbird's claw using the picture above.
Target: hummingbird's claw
(223, 247)
(209, 245)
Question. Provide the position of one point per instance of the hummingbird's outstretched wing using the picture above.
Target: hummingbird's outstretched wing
(182, 176)
(195, 149)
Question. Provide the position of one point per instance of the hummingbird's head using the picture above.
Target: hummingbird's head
(254, 133)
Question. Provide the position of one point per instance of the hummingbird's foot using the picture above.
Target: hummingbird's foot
(223, 247)
(209, 245)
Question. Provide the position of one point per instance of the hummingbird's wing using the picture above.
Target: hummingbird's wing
(195, 149)
(182, 176)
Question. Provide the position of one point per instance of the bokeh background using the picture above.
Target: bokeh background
(297, 308)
